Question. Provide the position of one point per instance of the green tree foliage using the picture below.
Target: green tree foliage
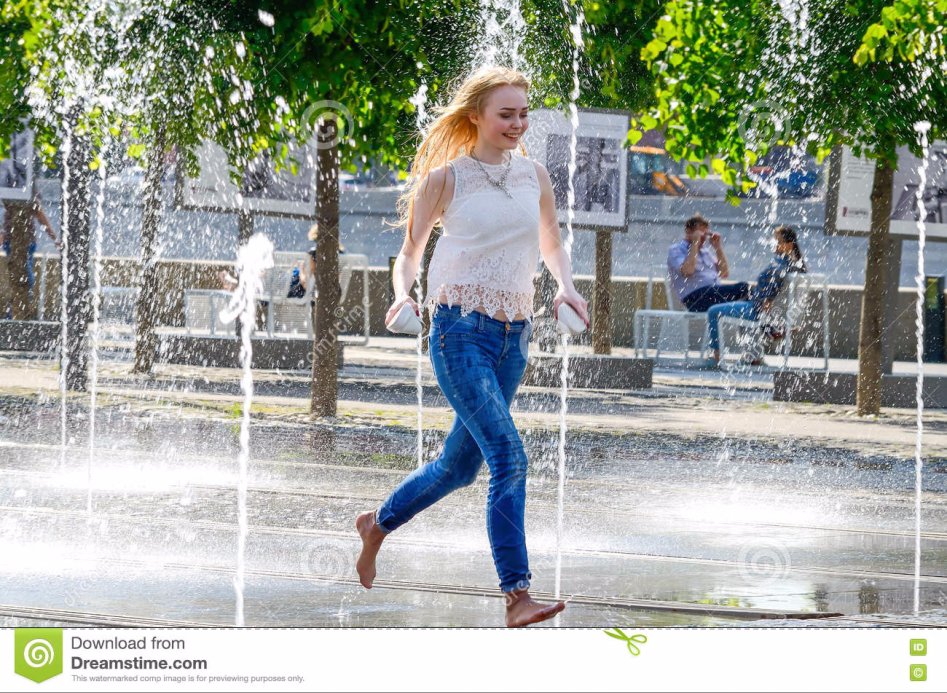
(734, 78)
(362, 61)
(611, 71)
(618, 77)
(371, 58)
(14, 71)
(909, 30)
(250, 75)
(120, 68)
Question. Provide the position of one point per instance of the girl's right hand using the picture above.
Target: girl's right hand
(396, 307)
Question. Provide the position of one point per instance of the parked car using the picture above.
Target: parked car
(706, 186)
(652, 172)
(793, 175)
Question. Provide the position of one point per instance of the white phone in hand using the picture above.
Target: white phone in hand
(569, 321)
(406, 321)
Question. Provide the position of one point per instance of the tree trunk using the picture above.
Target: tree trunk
(325, 385)
(146, 303)
(871, 334)
(244, 227)
(76, 251)
(893, 251)
(602, 302)
(21, 235)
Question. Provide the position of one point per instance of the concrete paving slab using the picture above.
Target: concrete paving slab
(839, 388)
(701, 507)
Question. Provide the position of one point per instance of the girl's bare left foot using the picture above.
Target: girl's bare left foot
(522, 610)
(372, 537)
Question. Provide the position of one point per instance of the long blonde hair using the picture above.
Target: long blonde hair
(452, 133)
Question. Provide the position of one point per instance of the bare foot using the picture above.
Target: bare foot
(521, 610)
(372, 537)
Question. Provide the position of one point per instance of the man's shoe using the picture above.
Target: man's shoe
(748, 360)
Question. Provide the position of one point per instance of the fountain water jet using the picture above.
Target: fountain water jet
(561, 493)
(420, 388)
(63, 294)
(922, 129)
(419, 100)
(504, 30)
(94, 327)
(577, 46)
(253, 260)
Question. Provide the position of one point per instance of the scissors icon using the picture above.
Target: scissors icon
(629, 640)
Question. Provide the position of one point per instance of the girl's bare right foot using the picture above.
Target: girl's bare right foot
(521, 610)
(372, 537)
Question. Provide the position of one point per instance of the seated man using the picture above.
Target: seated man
(696, 268)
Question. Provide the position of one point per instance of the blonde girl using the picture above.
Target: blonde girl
(498, 214)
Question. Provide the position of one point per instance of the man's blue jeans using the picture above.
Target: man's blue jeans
(701, 300)
(746, 310)
(479, 362)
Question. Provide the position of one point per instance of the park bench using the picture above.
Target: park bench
(117, 312)
(202, 311)
(285, 315)
(786, 315)
(672, 327)
(293, 315)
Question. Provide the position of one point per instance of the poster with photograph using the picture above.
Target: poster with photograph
(16, 170)
(601, 173)
(265, 190)
(848, 207)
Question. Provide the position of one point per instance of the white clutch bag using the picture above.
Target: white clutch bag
(569, 321)
(406, 321)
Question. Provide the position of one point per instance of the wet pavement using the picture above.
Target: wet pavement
(665, 524)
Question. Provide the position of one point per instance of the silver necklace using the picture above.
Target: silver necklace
(500, 183)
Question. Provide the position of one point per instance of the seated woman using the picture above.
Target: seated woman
(306, 269)
(788, 258)
(299, 280)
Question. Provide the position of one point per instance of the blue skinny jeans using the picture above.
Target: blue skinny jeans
(478, 362)
(747, 310)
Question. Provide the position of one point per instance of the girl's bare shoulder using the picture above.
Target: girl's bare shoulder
(441, 174)
(438, 187)
(541, 173)
(537, 164)
(437, 180)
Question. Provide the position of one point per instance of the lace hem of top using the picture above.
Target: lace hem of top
(472, 296)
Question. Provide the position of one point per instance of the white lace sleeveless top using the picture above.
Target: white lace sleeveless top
(489, 248)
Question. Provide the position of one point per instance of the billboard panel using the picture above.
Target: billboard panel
(16, 171)
(264, 190)
(601, 175)
(848, 205)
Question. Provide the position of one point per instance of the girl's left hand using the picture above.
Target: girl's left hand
(572, 297)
